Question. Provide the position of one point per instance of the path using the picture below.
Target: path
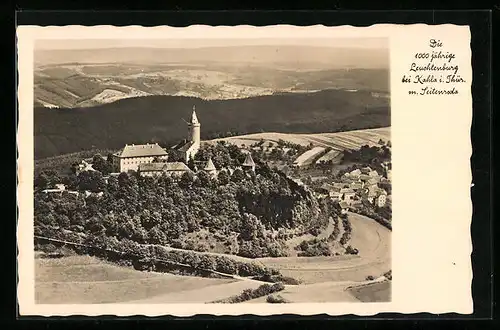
(371, 239)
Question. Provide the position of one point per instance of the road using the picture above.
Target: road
(371, 239)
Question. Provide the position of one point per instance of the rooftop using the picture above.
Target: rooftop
(141, 150)
(248, 161)
(210, 165)
(165, 167)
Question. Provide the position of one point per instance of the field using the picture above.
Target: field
(309, 156)
(85, 280)
(375, 292)
(337, 141)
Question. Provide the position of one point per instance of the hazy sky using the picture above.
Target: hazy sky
(365, 43)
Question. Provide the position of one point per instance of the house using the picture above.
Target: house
(131, 156)
(191, 146)
(373, 173)
(344, 207)
(340, 184)
(356, 186)
(83, 166)
(347, 194)
(366, 170)
(364, 177)
(355, 173)
(373, 181)
(170, 169)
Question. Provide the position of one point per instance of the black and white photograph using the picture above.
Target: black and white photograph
(212, 171)
(217, 167)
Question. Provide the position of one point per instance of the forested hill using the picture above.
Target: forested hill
(159, 119)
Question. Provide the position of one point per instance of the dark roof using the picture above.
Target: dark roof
(186, 146)
(344, 205)
(165, 167)
(150, 167)
(248, 161)
(176, 166)
(141, 150)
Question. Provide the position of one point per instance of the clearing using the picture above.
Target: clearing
(338, 141)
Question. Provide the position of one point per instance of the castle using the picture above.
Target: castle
(151, 159)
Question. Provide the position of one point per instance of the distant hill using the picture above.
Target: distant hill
(159, 118)
(294, 57)
(77, 85)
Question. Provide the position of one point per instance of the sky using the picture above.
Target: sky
(364, 43)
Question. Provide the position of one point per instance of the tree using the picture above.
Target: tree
(101, 165)
(223, 178)
(47, 179)
(238, 175)
(91, 180)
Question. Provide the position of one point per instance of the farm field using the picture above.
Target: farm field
(309, 156)
(337, 141)
(86, 280)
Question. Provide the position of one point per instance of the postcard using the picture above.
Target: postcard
(232, 170)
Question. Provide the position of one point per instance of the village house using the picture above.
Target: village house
(175, 169)
(347, 195)
(130, 157)
(83, 166)
(344, 207)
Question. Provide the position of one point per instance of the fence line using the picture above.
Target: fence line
(135, 255)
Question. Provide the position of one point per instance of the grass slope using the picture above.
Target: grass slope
(87, 280)
(159, 119)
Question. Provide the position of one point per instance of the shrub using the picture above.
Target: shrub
(314, 247)
(370, 278)
(250, 294)
(276, 299)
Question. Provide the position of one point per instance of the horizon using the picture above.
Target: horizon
(103, 44)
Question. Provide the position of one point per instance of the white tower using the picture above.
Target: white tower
(194, 129)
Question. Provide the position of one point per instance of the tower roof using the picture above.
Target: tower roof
(194, 118)
(210, 165)
(248, 161)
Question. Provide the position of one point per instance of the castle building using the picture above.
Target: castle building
(173, 169)
(130, 157)
(192, 146)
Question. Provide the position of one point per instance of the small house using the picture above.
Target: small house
(344, 207)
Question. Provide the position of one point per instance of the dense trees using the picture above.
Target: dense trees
(164, 210)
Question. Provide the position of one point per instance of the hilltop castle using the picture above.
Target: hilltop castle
(140, 157)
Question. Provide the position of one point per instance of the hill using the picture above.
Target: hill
(291, 56)
(84, 85)
(337, 141)
(159, 119)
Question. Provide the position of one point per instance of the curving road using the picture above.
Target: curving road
(371, 239)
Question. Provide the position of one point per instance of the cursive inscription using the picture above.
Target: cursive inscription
(433, 72)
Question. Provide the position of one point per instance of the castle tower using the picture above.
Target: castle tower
(210, 168)
(249, 164)
(194, 129)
